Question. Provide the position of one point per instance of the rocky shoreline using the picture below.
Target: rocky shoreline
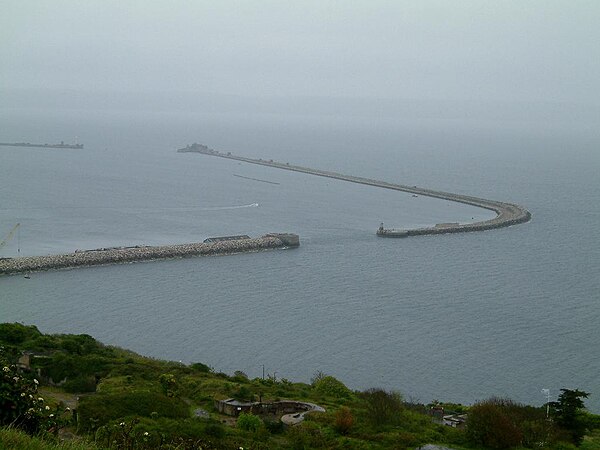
(121, 255)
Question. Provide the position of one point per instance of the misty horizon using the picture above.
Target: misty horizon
(428, 50)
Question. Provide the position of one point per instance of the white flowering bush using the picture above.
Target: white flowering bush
(21, 406)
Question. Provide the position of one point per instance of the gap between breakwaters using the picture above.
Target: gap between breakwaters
(507, 214)
(119, 255)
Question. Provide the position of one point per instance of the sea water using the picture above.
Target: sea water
(456, 317)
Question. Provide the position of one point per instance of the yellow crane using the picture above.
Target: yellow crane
(9, 236)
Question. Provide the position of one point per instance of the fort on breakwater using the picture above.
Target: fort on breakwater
(116, 255)
(507, 214)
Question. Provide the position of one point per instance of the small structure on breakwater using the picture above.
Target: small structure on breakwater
(116, 255)
(386, 232)
(507, 214)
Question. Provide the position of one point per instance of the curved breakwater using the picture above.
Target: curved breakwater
(145, 253)
(507, 213)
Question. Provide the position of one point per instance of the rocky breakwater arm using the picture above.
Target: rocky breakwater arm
(142, 253)
(507, 214)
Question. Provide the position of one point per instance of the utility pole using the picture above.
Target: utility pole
(547, 392)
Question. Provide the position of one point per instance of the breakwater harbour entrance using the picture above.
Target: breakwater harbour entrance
(507, 213)
(103, 256)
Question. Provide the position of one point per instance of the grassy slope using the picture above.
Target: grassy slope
(127, 385)
(17, 440)
(159, 397)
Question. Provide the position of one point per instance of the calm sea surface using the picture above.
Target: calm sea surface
(456, 317)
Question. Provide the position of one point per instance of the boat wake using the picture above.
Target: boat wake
(196, 208)
(218, 208)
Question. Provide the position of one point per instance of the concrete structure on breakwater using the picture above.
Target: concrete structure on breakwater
(118, 255)
(507, 214)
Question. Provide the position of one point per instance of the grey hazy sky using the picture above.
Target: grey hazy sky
(422, 49)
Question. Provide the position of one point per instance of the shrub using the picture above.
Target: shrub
(99, 409)
(80, 385)
(240, 376)
(329, 385)
(243, 394)
(490, 425)
(249, 422)
(16, 333)
(43, 343)
(318, 376)
(215, 430)
(308, 435)
(203, 368)
(404, 439)
(20, 404)
(383, 407)
(274, 426)
(502, 423)
(564, 446)
(64, 366)
(79, 344)
(168, 383)
(344, 420)
(165, 433)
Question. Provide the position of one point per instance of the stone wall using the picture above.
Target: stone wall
(140, 253)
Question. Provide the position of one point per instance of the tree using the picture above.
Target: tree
(569, 415)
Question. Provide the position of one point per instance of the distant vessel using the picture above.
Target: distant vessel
(391, 233)
(27, 144)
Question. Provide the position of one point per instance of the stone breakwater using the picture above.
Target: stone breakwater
(507, 214)
(142, 253)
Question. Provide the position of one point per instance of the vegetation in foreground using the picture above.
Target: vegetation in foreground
(72, 392)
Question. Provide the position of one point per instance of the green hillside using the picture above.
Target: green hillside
(71, 391)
